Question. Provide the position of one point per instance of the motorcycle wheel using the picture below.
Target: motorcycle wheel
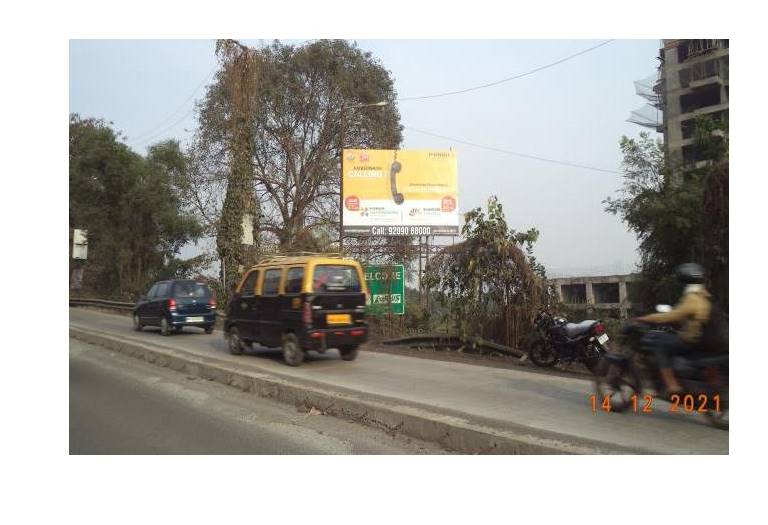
(617, 381)
(591, 363)
(592, 359)
(541, 354)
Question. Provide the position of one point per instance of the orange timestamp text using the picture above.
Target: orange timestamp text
(688, 403)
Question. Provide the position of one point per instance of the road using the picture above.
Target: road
(516, 397)
(120, 405)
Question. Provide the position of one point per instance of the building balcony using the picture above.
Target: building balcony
(710, 109)
(712, 79)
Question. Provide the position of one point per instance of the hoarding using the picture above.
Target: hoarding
(386, 289)
(399, 192)
(80, 244)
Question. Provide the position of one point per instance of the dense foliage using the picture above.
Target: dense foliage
(679, 213)
(490, 284)
(130, 206)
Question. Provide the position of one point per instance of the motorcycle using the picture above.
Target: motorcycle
(622, 379)
(559, 341)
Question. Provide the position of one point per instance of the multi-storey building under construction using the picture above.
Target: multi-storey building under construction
(692, 80)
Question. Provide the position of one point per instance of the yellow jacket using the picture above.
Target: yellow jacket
(691, 313)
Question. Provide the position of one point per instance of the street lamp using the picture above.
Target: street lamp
(341, 163)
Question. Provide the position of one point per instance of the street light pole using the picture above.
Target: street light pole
(341, 181)
(342, 137)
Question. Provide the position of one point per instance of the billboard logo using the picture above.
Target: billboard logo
(364, 157)
(352, 203)
(351, 157)
(448, 204)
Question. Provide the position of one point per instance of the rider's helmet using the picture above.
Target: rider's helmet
(690, 273)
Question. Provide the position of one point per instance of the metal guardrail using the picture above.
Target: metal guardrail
(101, 303)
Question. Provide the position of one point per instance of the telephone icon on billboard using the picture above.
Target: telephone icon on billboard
(393, 171)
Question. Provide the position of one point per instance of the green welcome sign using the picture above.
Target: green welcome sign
(386, 289)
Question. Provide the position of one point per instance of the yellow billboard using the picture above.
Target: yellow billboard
(400, 192)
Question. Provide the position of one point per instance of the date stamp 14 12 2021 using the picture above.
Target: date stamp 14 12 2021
(678, 403)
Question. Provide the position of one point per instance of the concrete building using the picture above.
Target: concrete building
(693, 81)
(607, 292)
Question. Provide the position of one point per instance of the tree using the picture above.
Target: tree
(294, 125)
(129, 205)
(240, 74)
(677, 219)
(491, 284)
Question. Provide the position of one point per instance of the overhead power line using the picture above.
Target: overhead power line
(508, 152)
(167, 128)
(508, 79)
(154, 130)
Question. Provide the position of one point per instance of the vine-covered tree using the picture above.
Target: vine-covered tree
(240, 72)
(490, 284)
(130, 206)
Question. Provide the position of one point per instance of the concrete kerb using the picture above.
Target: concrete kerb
(449, 430)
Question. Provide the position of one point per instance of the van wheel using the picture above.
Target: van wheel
(348, 353)
(165, 327)
(235, 343)
(137, 323)
(209, 329)
(292, 352)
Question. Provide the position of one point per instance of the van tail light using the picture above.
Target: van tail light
(212, 301)
(171, 303)
(599, 329)
(306, 315)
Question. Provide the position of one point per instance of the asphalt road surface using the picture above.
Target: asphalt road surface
(517, 397)
(121, 405)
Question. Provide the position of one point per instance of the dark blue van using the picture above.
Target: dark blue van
(172, 305)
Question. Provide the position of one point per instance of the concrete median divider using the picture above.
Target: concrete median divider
(453, 430)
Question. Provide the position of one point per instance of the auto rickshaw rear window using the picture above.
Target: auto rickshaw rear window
(249, 286)
(293, 280)
(271, 282)
(335, 278)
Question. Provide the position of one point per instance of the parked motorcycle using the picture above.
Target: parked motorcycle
(559, 341)
(622, 379)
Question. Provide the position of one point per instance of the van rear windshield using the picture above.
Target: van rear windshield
(192, 290)
(335, 278)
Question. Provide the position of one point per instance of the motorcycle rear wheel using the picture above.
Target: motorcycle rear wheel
(617, 381)
(591, 363)
(592, 356)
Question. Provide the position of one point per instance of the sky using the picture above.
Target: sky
(573, 112)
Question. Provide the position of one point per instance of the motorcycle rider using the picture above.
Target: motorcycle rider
(691, 313)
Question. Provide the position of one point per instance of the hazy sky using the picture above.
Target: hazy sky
(574, 112)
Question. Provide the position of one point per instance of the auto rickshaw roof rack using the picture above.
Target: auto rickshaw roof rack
(288, 255)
